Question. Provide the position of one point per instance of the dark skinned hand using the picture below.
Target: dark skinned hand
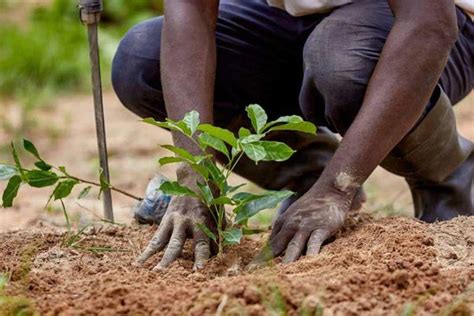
(180, 222)
(307, 223)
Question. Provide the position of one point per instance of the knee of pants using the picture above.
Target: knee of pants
(339, 57)
(136, 70)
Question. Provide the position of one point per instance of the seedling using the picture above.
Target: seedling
(213, 189)
(44, 174)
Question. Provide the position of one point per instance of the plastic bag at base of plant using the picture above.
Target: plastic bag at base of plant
(153, 207)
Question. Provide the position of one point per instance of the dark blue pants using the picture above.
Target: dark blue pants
(317, 66)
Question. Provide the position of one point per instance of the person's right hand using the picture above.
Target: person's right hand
(180, 222)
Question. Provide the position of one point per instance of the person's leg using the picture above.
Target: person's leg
(340, 56)
(259, 61)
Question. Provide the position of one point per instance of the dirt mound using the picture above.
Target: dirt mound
(383, 267)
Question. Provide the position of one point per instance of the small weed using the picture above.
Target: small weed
(408, 309)
(459, 305)
(312, 305)
(13, 305)
(274, 302)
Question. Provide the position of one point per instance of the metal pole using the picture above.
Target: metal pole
(90, 15)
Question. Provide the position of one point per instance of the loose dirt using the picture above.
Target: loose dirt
(388, 266)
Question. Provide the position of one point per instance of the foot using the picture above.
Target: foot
(439, 201)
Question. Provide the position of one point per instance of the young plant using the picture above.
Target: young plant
(44, 174)
(213, 189)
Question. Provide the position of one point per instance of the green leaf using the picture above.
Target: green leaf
(231, 189)
(257, 116)
(43, 165)
(167, 160)
(284, 119)
(251, 138)
(84, 192)
(199, 168)
(243, 132)
(41, 179)
(275, 151)
(169, 125)
(11, 191)
(254, 152)
(104, 184)
(214, 172)
(191, 119)
(304, 127)
(183, 153)
(63, 189)
(205, 192)
(7, 171)
(207, 231)
(221, 133)
(269, 200)
(174, 188)
(222, 200)
(232, 236)
(30, 147)
(206, 139)
(16, 158)
(245, 196)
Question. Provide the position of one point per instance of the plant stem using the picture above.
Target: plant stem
(66, 216)
(98, 185)
(233, 165)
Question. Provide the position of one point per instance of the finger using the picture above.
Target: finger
(175, 246)
(157, 243)
(202, 248)
(276, 228)
(295, 247)
(274, 248)
(315, 241)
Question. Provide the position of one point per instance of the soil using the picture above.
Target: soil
(387, 266)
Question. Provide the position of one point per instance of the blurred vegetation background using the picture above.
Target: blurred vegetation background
(45, 54)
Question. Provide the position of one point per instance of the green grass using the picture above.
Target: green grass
(13, 305)
(48, 55)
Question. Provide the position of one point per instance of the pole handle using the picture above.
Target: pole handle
(90, 10)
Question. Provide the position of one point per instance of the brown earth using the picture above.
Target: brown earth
(388, 266)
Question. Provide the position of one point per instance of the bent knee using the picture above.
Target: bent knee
(136, 70)
(340, 57)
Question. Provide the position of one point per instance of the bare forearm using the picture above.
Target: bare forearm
(188, 61)
(403, 81)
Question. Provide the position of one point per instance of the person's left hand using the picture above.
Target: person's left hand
(306, 224)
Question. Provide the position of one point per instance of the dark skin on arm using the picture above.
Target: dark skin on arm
(188, 67)
(410, 65)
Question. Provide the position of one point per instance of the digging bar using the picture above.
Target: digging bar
(90, 11)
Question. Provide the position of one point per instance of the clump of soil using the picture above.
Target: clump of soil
(381, 267)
